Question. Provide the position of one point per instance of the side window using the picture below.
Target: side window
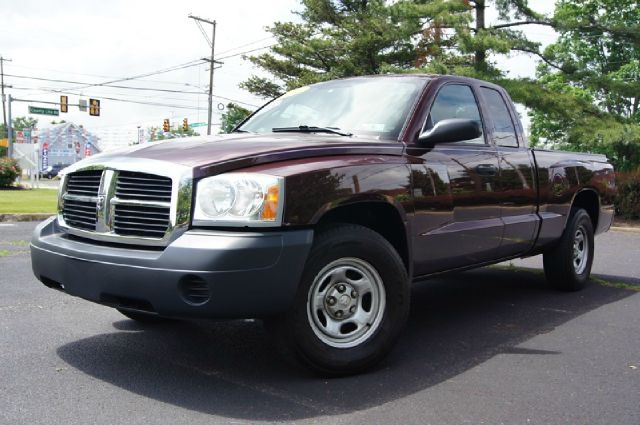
(504, 134)
(455, 101)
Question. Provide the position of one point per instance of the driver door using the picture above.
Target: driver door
(457, 222)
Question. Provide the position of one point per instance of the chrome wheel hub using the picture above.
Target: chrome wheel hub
(346, 302)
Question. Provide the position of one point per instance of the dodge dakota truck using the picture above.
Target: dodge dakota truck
(321, 209)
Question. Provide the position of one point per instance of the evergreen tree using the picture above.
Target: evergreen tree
(596, 59)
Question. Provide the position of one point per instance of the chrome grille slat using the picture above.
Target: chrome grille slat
(134, 217)
(136, 225)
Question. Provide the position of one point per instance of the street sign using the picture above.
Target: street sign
(43, 111)
(82, 105)
(197, 124)
(4, 143)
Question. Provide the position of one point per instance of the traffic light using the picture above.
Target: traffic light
(94, 107)
(166, 126)
(185, 124)
(64, 104)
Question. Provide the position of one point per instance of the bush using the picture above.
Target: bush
(9, 171)
(628, 198)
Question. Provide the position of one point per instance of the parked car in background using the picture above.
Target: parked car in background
(321, 210)
(51, 171)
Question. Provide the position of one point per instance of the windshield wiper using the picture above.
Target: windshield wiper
(311, 129)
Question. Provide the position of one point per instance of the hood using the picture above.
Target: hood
(209, 155)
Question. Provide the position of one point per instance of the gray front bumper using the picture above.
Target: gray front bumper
(246, 274)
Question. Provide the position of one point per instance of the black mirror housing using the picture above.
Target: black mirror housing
(451, 130)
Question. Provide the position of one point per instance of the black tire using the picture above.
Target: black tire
(346, 250)
(562, 267)
(142, 317)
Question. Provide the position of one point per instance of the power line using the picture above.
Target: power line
(244, 45)
(65, 91)
(161, 71)
(178, 83)
(247, 51)
(102, 84)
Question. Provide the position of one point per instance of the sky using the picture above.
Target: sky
(89, 42)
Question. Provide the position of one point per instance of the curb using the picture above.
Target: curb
(25, 217)
(625, 229)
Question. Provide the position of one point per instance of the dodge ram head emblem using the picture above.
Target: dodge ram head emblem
(100, 202)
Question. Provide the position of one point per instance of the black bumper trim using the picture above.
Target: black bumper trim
(248, 274)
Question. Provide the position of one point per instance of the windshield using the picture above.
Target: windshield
(362, 106)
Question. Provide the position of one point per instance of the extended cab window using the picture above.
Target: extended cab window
(455, 101)
(504, 133)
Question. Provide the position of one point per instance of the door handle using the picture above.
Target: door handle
(486, 169)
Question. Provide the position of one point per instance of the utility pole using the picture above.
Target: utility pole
(212, 61)
(10, 133)
(4, 113)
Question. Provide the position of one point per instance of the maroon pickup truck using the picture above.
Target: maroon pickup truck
(321, 209)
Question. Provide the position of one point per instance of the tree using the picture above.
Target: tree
(233, 116)
(596, 59)
(340, 38)
(175, 133)
(19, 124)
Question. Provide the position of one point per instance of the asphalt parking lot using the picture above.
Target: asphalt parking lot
(482, 347)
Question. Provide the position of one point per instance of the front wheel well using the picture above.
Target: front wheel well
(380, 217)
(588, 200)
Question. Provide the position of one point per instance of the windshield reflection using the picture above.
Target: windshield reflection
(372, 106)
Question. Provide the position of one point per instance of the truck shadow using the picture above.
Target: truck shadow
(230, 369)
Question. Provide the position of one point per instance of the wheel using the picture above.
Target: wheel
(142, 317)
(567, 265)
(351, 304)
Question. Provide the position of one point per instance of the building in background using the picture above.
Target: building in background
(65, 144)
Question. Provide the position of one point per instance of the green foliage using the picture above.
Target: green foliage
(9, 171)
(175, 133)
(628, 196)
(596, 60)
(343, 38)
(233, 115)
(20, 123)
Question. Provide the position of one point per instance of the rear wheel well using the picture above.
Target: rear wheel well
(588, 200)
(377, 216)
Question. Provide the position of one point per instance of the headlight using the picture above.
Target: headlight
(239, 199)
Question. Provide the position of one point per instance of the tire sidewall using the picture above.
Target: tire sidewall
(581, 218)
(366, 245)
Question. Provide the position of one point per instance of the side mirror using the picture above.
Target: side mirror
(451, 130)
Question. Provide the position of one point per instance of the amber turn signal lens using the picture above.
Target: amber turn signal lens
(270, 209)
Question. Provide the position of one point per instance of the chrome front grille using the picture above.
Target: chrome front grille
(122, 205)
(131, 185)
